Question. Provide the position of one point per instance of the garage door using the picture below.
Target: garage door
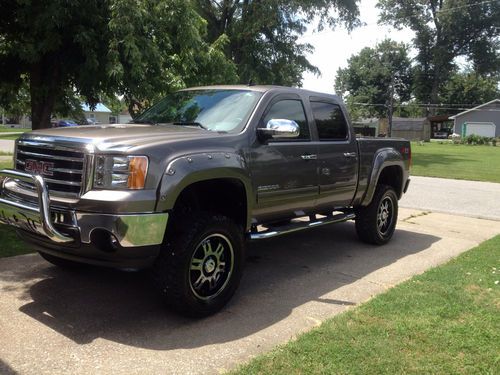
(485, 129)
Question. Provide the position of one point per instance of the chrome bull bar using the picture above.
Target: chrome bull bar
(35, 219)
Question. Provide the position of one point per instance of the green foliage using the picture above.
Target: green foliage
(473, 139)
(470, 88)
(372, 74)
(444, 30)
(68, 50)
(263, 35)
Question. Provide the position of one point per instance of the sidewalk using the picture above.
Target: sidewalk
(6, 145)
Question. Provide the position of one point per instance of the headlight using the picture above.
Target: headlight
(120, 172)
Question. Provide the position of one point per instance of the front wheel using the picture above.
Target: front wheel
(376, 222)
(200, 267)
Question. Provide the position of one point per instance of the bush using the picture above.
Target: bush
(474, 139)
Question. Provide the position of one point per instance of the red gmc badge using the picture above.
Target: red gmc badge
(43, 168)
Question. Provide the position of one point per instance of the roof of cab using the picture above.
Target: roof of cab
(262, 88)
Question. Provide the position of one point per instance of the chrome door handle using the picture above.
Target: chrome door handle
(350, 154)
(309, 157)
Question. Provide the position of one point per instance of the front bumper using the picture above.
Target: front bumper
(69, 228)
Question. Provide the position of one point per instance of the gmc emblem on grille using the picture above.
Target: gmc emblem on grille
(39, 167)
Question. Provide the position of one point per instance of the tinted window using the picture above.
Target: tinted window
(289, 109)
(329, 120)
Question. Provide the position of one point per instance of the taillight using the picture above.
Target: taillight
(407, 151)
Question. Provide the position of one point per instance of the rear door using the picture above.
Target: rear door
(337, 154)
(284, 171)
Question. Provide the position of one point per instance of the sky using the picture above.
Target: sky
(332, 49)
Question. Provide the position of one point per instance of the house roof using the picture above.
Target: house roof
(98, 108)
(474, 109)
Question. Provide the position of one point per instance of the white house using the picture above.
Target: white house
(101, 114)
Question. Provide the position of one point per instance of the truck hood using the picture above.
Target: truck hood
(122, 136)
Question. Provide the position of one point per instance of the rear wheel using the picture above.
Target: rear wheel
(200, 266)
(376, 222)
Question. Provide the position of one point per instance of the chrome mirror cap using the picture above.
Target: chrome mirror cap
(281, 128)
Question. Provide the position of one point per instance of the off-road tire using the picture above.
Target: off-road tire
(370, 225)
(185, 249)
(61, 262)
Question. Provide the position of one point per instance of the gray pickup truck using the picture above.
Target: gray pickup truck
(184, 187)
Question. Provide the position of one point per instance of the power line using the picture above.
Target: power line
(422, 105)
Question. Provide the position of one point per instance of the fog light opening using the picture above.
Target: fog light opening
(104, 241)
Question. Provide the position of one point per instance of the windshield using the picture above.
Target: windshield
(217, 110)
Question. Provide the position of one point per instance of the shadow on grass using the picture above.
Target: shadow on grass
(281, 274)
(433, 160)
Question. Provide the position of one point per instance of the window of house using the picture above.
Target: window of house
(330, 121)
(290, 109)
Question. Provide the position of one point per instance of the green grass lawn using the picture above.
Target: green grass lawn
(446, 321)
(464, 162)
(11, 137)
(9, 243)
(12, 130)
(5, 164)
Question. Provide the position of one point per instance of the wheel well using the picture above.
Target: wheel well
(392, 176)
(225, 196)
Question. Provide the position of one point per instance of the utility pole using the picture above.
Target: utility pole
(390, 107)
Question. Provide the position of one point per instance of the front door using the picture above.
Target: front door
(284, 171)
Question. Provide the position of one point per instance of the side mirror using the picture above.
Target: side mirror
(280, 128)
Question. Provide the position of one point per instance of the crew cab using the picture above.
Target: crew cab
(182, 189)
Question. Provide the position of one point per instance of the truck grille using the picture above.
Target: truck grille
(61, 167)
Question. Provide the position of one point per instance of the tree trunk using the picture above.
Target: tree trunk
(44, 81)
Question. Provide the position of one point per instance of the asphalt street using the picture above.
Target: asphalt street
(458, 197)
(100, 322)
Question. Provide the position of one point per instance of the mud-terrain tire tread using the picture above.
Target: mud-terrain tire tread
(366, 217)
(169, 270)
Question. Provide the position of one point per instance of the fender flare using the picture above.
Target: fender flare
(386, 157)
(192, 168)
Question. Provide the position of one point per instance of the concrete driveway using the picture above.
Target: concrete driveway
(95, 321)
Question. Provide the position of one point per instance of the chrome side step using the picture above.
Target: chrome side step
(298, 226)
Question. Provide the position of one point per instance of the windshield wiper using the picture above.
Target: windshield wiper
(191, 123)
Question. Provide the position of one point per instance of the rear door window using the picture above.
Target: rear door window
(330, 121)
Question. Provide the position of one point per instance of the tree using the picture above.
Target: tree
(263, 34)
(469, 89)
(445, 30)
(67, 50)
(376, 77)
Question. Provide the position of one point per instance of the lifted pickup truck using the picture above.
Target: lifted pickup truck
(182, 188)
